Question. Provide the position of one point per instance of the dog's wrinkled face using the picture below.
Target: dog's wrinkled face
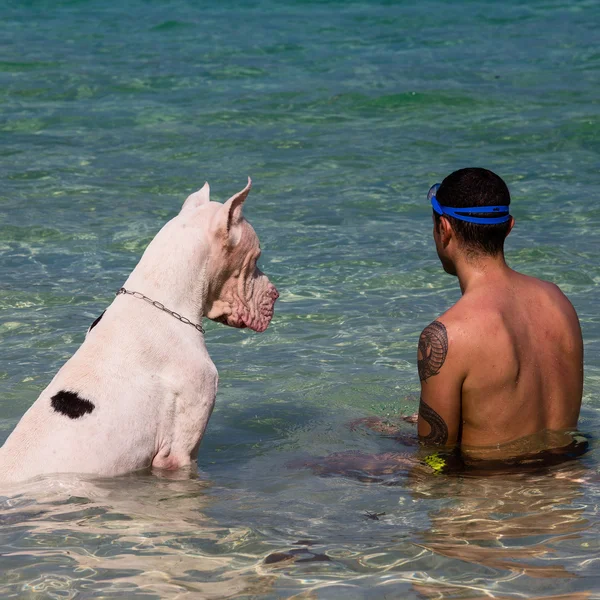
(239, 294)
(244, 296)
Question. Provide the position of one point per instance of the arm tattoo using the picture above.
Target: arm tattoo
(439, 430)
(433, 347)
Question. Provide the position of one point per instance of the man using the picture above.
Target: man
(502, 370)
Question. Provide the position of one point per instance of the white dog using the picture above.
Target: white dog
(140, 389)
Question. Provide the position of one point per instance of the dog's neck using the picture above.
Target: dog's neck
(172, 270)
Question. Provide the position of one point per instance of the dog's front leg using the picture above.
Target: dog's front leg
(192, 410)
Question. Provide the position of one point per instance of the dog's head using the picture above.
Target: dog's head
(238, 294)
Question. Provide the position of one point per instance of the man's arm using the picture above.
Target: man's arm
(441, 378)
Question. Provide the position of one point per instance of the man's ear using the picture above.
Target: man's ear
(511, 224)
(197, 199)
(446, 231)
(230, 216)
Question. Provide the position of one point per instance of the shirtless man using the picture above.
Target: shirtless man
(502, 370)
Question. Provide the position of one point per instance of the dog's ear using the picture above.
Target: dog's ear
(230, 215)
(198, 198)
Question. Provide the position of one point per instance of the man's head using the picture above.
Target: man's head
(471, 188)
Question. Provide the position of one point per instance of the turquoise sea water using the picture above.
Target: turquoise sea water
(343, 113)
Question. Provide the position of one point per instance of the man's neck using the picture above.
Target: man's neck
(475, 270)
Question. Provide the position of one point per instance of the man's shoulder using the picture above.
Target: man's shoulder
(541, 285)
(447, 342)
(479, 316)
(460, 320)
(550, 296)
(452, 329)
(461, 329)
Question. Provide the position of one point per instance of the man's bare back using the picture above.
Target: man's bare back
(502, 370)
(514, 345)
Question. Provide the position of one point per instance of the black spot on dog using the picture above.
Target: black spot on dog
(71, 404)
(96, 321)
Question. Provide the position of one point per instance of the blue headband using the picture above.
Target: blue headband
(458, 213)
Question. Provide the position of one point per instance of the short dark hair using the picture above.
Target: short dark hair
(471, 187)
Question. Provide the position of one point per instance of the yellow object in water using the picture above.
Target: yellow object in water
(435, 461)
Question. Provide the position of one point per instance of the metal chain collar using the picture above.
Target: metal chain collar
(162, 307)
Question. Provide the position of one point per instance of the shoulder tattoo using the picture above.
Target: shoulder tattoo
(439, 430)
(433, 347)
